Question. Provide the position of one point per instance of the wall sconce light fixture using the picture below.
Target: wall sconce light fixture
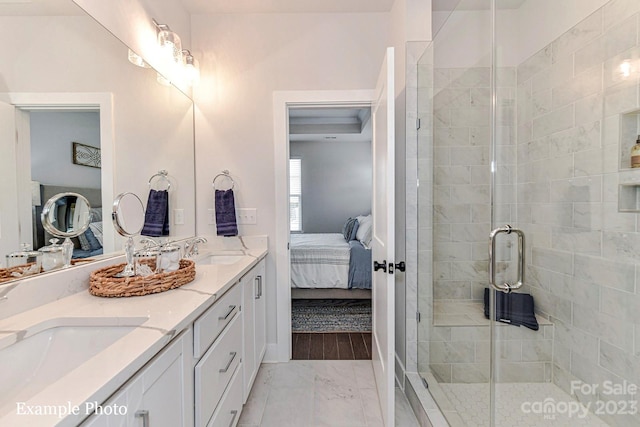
(191, 68)
(170, 44)
(176, 64)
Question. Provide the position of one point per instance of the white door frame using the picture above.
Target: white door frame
(77, 101)
(282, 101)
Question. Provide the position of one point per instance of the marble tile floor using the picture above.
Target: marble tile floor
(315, 393)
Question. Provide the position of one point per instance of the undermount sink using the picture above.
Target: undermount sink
(52, 350)
(221, 259)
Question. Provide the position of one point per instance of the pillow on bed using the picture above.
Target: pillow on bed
(94, 243)
(96, 228)
(349, 229)
(365, 229)
(84, 241)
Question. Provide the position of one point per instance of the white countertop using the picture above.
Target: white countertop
(166, 314)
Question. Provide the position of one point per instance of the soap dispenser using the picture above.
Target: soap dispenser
(635, 154)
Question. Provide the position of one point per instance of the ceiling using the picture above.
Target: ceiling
(39, 8)
(286, 6)
(346, 124)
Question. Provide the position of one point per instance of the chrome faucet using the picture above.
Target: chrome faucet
(150, 243)
(191, 246)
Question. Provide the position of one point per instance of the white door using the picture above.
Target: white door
(383, 239)
(9, 219)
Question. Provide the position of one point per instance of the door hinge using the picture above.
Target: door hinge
(418, 124)
(288, 246)
(418, 317)
(424, 382)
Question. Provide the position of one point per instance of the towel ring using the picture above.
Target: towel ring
(162, 176)
(223, 175)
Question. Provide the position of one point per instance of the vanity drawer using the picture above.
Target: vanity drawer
(208, 326)
(228, 412)
(214, 371)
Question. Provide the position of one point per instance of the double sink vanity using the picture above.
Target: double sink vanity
(184, 357)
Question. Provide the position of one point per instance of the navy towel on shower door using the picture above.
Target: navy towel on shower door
(156, 217)
(226, 224)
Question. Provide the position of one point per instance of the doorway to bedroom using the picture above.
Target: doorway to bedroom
(330, 196)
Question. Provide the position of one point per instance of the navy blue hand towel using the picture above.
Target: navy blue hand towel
(515, 309)
(226, 224)
(156, 217)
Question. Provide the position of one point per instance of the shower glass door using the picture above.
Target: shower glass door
(529, 111)
(455, 212)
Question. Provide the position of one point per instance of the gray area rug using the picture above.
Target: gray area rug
(330, 315)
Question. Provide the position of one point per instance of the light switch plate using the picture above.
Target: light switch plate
(178, 216)
(247, 216)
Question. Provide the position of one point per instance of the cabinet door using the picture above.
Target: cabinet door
(159, 395)
(248, 351)
(260, 316)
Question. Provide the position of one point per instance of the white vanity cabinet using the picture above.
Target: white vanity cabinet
(158, 395)
(204, 376)
(255, 332)
(221, 353)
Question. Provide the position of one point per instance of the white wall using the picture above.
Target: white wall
(52, 133)
(336, 182)
(245, 58)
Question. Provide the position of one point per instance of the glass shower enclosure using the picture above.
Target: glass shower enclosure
(529, 111)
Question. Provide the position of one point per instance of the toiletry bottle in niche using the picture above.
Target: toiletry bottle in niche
(635, 154)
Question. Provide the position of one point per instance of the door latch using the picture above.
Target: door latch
(380, 265)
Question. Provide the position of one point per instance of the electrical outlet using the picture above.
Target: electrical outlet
(178, 216)
(211, 216)
(247, 216)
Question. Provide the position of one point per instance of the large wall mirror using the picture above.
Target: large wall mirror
(87, 121)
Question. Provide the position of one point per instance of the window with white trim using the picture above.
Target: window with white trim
(295, 195)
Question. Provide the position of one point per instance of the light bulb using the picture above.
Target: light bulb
(170, 44)
(625, 68)
(191, 69)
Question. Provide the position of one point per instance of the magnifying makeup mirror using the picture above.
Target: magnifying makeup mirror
(128, 220)
(64, 215)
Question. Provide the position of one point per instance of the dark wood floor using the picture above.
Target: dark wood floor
(331, 346)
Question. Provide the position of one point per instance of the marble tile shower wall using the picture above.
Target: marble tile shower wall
(462, 157)
(583, 255)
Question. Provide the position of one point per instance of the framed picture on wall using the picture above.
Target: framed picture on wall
(86, 155)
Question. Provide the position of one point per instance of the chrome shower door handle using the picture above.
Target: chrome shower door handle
(506, 287)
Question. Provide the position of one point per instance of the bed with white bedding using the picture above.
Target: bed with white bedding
(333, 260)
(319, 261)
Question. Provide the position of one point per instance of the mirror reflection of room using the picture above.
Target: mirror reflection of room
(330, 191)
(58, 166)
(51, 96)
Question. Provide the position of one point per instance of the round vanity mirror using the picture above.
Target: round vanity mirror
(128, 219)
(128, 214)
(66, 215)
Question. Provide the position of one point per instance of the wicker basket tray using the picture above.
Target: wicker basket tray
(7, 274)
(104, 284)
